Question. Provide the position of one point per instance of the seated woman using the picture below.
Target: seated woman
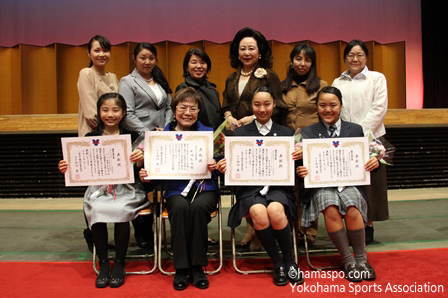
(189, 210)
(118, 204)
(336, 204)
(267, 206)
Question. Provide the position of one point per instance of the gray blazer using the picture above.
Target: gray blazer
(143, 111)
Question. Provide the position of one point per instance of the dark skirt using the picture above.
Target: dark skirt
(242, 206)
(378, 208)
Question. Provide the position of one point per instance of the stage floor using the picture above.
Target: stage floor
(51, 229)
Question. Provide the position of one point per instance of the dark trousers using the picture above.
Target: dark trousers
(189, 233)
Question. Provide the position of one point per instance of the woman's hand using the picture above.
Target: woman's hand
(372, 164)
(93, 123)
(245, 120)
(142, 174)
(63, 166)
(158, 128)
(137, 157)
(222, 165)
(302, 171)
(211, 165)
(233, 123)
(297, 154)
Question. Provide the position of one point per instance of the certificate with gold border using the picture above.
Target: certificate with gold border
(259, 161)
(180, 155)
(336, 162)
(98, 160)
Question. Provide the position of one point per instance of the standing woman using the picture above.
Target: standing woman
(93, 82)
(147, 95)
(146, 92)
(365, 103)
(300, 90)
(196, 66)
(250, 55)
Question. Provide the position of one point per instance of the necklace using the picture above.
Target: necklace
(149, 81)
(246, 74)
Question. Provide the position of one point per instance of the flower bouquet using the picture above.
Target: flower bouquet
(378, 150)
(218, 140)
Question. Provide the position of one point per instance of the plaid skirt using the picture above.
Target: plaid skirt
(325, 197)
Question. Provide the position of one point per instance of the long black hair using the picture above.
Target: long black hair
(119, 100)
(157, 73)
(103, 41)
(312, 79)
(263, 48)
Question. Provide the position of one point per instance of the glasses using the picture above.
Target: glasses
(352, 56)
(185, 109)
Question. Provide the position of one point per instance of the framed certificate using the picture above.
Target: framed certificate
(336, 162)
(180, 155)
(259, 160)
(98, 160)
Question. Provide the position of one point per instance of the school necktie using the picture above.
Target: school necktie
(332, 130)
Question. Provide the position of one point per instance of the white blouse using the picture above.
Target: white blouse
(364, 99)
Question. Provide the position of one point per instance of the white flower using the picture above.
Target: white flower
(260, 73)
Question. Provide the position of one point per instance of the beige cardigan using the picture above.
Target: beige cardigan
(91, 85)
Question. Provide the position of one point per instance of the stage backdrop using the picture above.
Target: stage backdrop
(44, 22)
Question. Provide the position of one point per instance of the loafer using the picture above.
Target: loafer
(200, 280)
(243, 245)
(117, 278)
(103, 281)
(212, 242)
(280, 277)
(352, 272)
(295, 276)
(180, 281)
(367, 272)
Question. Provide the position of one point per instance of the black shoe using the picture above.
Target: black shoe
(295, 276)
(89, 239)
(145, 244)
(352, 272)
(118, 274)
(280, 277)
(212, 242)
(199, 278)
(369, 234)
(102, 279)
(367, 272)
(243, 245)
(180, 281)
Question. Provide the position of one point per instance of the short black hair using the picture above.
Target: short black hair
(200, 53)
(331, 90)
(353, 43)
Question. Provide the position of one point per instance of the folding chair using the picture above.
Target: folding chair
(235, 253)
(153, 256)
(162, 224)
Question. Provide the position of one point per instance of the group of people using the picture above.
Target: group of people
(255, 102)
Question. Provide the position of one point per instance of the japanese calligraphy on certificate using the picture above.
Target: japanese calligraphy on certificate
(98, 160)
(259, 160)
(180, 155)
(336, 162)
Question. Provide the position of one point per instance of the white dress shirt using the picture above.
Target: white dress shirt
(264, 129)
(364, 99)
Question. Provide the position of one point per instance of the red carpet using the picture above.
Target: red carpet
(400, 274)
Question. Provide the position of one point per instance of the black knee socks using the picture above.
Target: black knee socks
(267, 239)
(284, 240)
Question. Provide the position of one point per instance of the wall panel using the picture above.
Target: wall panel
(38, 77)
(42, 80)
